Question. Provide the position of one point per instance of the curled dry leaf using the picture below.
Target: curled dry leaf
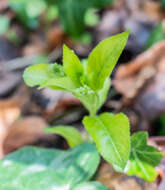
(16, 133)
(143, 79)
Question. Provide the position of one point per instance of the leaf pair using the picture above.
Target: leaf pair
(41, 169)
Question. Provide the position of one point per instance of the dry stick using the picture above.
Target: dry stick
(22, 62)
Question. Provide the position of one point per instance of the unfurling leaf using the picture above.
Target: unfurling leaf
(111, 133)
(72, 65)
(71, 134)
(143, 158)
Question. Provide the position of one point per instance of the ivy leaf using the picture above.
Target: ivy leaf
(47, 75)
(72, 65)
(112, 137)
(143, 158)
(103, 58)
(72, 135)
(90, 186)
(42, 169)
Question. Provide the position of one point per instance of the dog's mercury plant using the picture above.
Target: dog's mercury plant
(90, 83)
(45, 169)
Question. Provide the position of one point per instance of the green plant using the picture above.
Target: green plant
(73, 14)
(89, 81)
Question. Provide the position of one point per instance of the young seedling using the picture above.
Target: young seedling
(90, 83)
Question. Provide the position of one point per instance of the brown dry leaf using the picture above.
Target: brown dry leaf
(135, 74)
(141, 82)
(56, 37)
(9, 112)
(24, 132)
(118, 181)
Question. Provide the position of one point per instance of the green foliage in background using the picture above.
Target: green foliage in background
(73, 14)
(4, 24)
(156, 35)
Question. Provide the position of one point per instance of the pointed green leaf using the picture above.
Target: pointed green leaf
(34, 168)
(47, 75)
(90, 186)
(112, 137)
(103, 59)
(71, 134)
(72, 65)
(143, 158)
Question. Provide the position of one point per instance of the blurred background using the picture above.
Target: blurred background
(33, 31)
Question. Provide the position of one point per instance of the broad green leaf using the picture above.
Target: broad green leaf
(156, 35)
(111, 133)
(4, 24)
(47, 75)
(143, 158)
(71, 134)
(103, 59)
(34, 168)
(72, 65)
(90, 186)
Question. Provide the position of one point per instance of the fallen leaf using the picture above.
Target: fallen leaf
(23, 132)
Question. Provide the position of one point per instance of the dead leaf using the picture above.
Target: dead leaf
(24, 132)
(9, 112)
(142, 82)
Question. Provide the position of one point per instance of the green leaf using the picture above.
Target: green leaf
(90, 186)
(72, 65)
(156, 35)
(103, 59)
(34, 168)
(4, 24)
(143, 158)
(27, 12)
(102, 3)
(72, 14)
(71, 134)
(47, 75)
(112, 137)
